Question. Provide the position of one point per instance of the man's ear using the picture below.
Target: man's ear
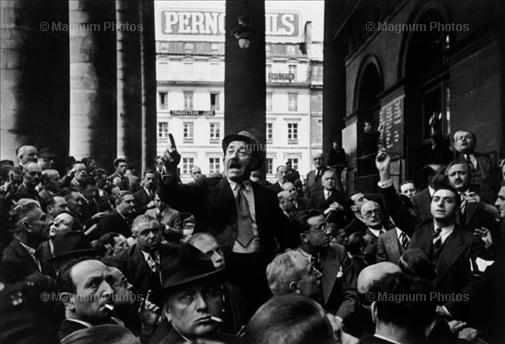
(166, 312)
(293, 287)
(68, 300)
(304, 238)
(354, 208)
(373, 310)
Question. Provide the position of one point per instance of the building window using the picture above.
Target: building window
(188, 100)
(214, 101)
(270, 164)
(269, 101)
(214, 165)
(188, 132)
(163, 99)
(319, 132)
(270, 132)
(292, 132)
(291, 49)
(162, 130)
(292, 70)
(188, 47)
(187, 164)
(215, 132)
(269, 71)
(294, 163)
(292, 101)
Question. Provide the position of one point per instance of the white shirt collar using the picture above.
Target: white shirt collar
(446, 231)
(376, 232)
(386, 339)
(84, 323)
(431, 191)
(233, 185)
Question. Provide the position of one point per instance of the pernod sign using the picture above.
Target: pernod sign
(211, 23)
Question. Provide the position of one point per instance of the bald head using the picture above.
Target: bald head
(371, 274)
(27, 154)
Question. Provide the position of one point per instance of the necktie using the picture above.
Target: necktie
(437, 242)
(152, 261)
(404, 240)
(314, 259)
(469, 161)
(244, 221)
(318, 174)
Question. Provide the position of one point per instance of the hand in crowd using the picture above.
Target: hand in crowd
(485, 236)
(150, 313)
(335, 206)
(171, 157)
(382, 162)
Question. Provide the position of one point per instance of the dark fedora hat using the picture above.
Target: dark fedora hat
(257, 150)
(71, 244)
(183, 264)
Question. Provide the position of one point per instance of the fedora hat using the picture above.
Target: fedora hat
(255, 148)
(71, 244)
(183, 264)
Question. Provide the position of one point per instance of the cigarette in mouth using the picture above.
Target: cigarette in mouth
(109, 307)
(216, 319)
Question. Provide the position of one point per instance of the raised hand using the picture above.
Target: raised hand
(171, 157)
(382, 162)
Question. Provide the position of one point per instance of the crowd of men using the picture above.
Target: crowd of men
(90, 256)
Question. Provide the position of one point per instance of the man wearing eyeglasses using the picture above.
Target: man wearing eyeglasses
(141, 262)
(338, 281)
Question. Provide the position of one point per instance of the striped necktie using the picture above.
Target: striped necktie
(437, 242)
(404, 241)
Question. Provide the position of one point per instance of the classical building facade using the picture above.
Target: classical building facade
(190, 95)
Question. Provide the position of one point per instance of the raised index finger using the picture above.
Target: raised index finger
(172, 141)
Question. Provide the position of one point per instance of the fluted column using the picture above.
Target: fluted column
(93, 80)
(129, 107)
(148, 70)
(34, 76)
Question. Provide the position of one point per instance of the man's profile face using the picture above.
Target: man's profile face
(189, 309)
(123, 294)
(309, 280)
(458, 176)
(60, 204)
(358, 199)
(317, 236)
(74, 201)
(443, 205)
(500, 202)
(29, 154)
(238, 161)
(62, 222)
(329, 181)
(121, 168)
(408, 189)
(281, 174)
(372, 214)
(149, 235)
(120, 244)
(127, 205)
(210, 247)
(464, 142)
(94, 289)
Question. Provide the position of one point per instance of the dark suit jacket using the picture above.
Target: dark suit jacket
(338, 281)
(17, 262)
(355, 225)
(212, 202)
(421, 205)
(166, 334)
(24, 192)
(115, 223)
(67, 327)
(276, 187)
(312, 183)
(318, 201)
(125, 183)
(88, 209)
(142, 199)
(388, 247)
(371, 339)
(303, 203)
(133, 265)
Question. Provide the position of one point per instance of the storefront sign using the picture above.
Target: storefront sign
(192, 113)
(281, 76)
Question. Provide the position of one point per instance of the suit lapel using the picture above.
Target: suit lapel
(330, 265)
(452, 249)
(471, 208)
(392, 245)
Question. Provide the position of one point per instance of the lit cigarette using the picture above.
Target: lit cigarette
(216, 319)
(109, 307)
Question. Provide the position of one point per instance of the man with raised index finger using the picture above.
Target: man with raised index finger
(243, 216)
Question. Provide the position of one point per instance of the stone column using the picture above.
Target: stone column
(93, 80)
(129, 109)
(148, 70)
(34, 76)
(245, 84)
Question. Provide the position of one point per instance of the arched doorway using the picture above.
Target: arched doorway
(426, 74)
(368, 89)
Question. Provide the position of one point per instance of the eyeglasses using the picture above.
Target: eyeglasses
(372, 212)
